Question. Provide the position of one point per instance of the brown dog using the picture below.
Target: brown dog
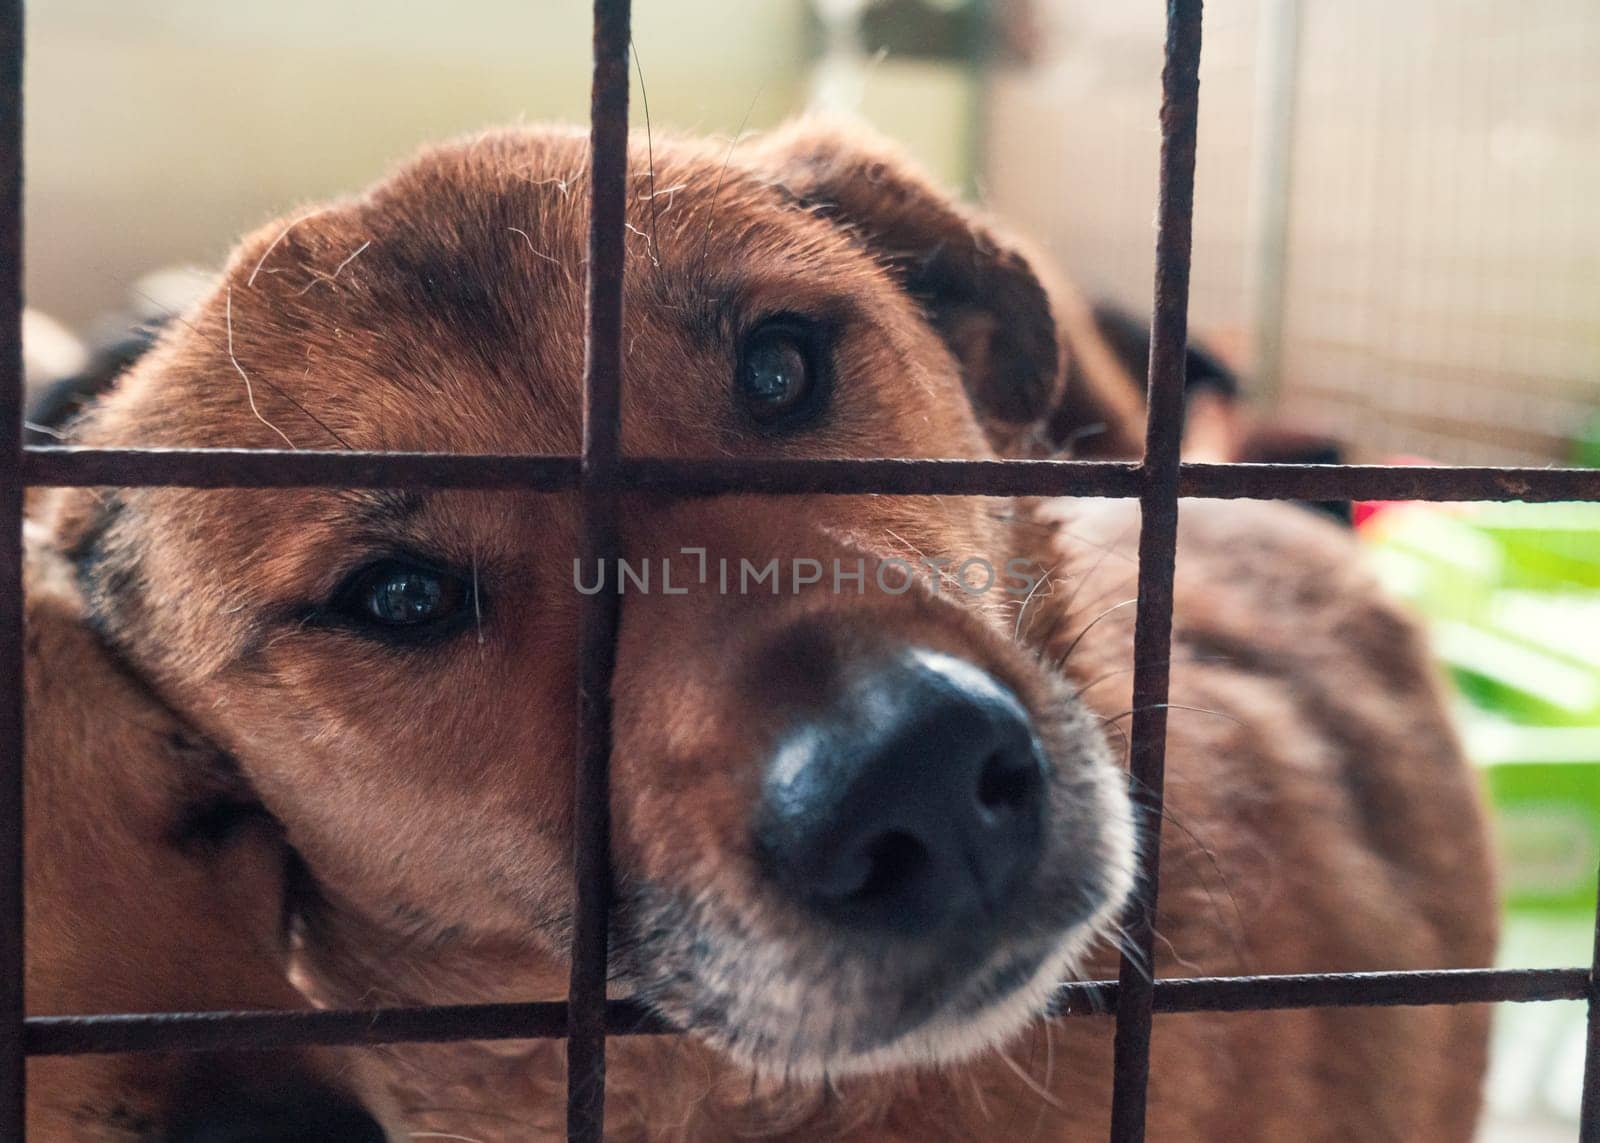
(151, 887)
(863, 822)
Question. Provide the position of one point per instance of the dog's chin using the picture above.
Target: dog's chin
(797, 1033)
(995, 1007)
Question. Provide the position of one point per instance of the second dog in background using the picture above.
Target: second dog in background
(154, 884)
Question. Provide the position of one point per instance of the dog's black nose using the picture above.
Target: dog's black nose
(913, 803)
(282, 1117)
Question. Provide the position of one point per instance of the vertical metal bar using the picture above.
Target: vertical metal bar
(1158, 539)
(602, 430)
(1589, 1115)
(13, 1064)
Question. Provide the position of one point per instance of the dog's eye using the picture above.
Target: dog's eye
(401, 596)
(778, 377)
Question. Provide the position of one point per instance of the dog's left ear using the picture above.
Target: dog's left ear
(978, 288)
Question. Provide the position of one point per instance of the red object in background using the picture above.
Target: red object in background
(1364, 510)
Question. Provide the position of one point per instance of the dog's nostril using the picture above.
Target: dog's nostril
(1009, 781)
(893, 859)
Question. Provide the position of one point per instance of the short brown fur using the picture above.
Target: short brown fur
(127, 911)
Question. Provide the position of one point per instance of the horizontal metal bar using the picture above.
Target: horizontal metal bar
(1386, 482)
(215, 1031)
(849, 476)
(52, 465)
(57, 466)
(1341, 990)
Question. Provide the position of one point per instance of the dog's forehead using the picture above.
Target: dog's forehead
(444, 308)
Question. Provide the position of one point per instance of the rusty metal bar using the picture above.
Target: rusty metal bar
(244, 1031)
(64, 466)
(882, 476)
(1367, 989)
(13, 1063)
(1108, 478)
(1176, 995)
(1383, 482)
(1589, 1108)
(253, 1031)
(1158, 553)
(597, 638)
(54, 465)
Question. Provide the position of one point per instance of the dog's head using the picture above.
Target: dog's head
(152, 885)
(856, 821)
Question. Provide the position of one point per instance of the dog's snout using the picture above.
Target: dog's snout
(912, 802)
(284, 1117)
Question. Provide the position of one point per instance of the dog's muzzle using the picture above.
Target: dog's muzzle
(933, 840)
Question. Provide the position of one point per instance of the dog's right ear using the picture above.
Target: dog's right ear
(977, 286)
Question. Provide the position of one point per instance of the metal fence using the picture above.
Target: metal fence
(599, 475)
(1393, 239)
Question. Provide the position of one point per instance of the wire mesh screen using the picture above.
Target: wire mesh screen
(599, 474)
(1437, 286)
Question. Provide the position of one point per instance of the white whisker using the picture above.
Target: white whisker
(249, 392)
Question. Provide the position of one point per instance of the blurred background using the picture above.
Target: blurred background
(1393, 237)
(1394, 250)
